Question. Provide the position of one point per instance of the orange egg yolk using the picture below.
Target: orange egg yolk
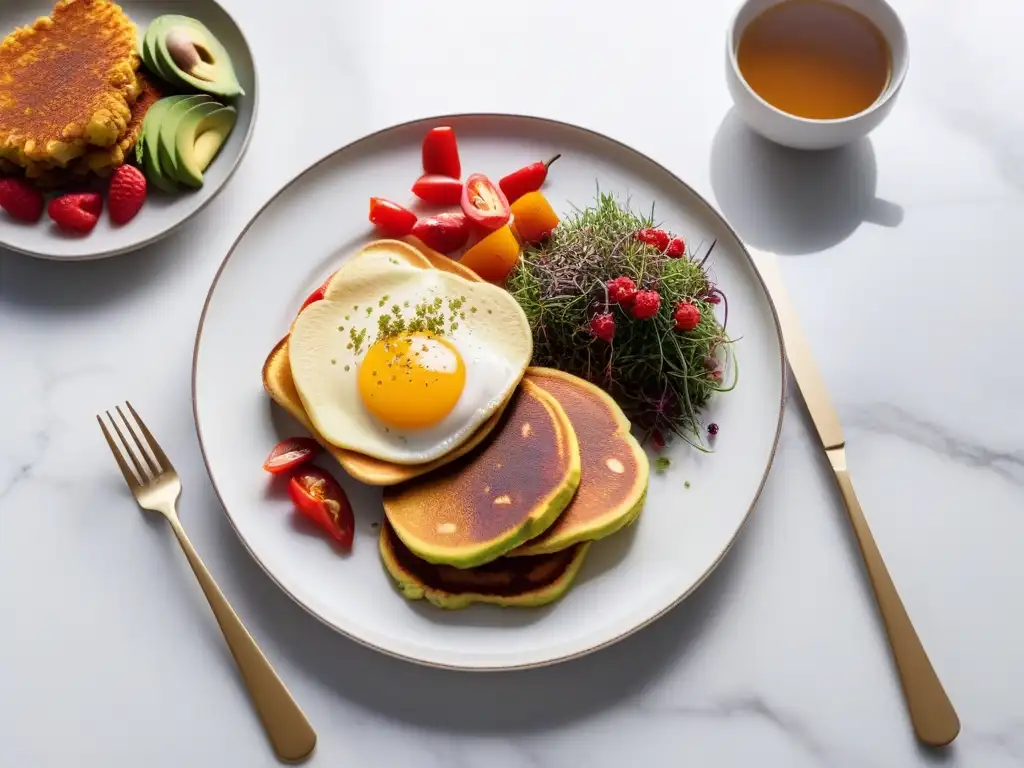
(411, 381)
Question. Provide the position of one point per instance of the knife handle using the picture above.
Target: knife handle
(931, 712)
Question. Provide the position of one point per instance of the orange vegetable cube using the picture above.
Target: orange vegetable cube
(493, 257)
(533, 217)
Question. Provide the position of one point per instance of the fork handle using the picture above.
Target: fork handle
(931, 712)
(291, 735)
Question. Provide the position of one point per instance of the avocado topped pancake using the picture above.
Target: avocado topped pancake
(507, 491)
(67, 82)
(522, 582)
(615, 470)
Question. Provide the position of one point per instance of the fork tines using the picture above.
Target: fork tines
(146, 456)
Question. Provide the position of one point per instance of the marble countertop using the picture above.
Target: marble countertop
(902, 254)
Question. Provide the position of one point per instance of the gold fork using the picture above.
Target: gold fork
(156, 487)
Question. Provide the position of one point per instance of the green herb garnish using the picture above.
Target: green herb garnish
(660, 377)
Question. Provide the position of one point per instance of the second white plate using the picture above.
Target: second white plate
(693, 512)
(163, 213)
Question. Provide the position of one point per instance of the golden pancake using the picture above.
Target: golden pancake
(67, 82)
(521, 582)
(614, 473)
(509, 490)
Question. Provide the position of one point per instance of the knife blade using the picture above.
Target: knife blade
(798, 351)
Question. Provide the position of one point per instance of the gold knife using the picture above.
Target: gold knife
(934, 719)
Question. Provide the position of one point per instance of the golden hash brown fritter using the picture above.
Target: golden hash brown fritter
(66, 82)
(104, 161)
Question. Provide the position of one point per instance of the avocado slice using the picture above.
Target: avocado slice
(148, 52)
(201, 133)
(150, 143)
(185, 51)
(168, 138)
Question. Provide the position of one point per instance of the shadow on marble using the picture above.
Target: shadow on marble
(474, 703)
(792, 202)
(71, 286)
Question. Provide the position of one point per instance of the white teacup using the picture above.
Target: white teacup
(801, 132)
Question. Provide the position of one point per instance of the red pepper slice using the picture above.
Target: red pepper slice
(445, 232)
(391, 218)
(441, 152)
(527, 179)
(438, 190)
(484, 203)
(316, 295)
(291, 453)
(318, 496)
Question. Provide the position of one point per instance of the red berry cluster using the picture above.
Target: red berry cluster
(642, 305)
(78, 212)
(673, 247)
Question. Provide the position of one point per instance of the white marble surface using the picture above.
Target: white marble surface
(903, 255)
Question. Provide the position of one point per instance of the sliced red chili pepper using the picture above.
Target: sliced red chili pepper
(437, 189)
(441, 152)
(316, 295)
(391, 218)
(527, 179)
(484, 203)
(445, 232)
(318, 496)
(291, 453)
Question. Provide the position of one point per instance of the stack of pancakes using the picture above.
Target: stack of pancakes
(71, 100)
(508, 517)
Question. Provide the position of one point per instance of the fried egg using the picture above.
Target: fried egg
(404, 364)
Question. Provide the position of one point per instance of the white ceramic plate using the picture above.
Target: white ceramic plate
(163, 213)
(628, 580)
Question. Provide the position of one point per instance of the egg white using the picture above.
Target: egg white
(495, 344)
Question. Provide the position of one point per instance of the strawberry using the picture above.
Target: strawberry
(20, 199)
(127, 194)
(621, 290)
(676, 248)
(686, 316)
(603, 327)
(646, 305)
(76, 213)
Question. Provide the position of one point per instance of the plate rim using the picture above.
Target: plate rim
(111, 252)
(354, 144)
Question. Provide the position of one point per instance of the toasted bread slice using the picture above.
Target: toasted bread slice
(278, 382)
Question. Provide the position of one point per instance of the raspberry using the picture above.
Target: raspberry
(603, 327)
(645, 305)
(658, 238)
(621, 290)
(712, 429)
(676, 248)
(76, 213)
(686, 316)
(20, 199)
(127, 194)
